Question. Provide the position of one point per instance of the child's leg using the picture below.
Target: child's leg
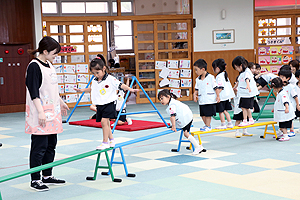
(245, 114)
(120, 122)
(222, 117)
(237, 122)
(106, 129)
(249, 114)
(208, 120)
(204, 119)
(227, 115)
(198, 147)
(292, 128)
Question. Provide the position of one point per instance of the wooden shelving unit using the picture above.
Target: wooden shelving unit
(68, 34)
(155, 41)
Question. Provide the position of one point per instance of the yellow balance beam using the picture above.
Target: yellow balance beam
(198, 133)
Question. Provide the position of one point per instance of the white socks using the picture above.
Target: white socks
(193, 141)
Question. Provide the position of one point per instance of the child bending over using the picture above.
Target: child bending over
(181, 116)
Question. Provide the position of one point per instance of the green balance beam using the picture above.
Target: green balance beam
(265, 114)
(60, 162)
(49, 165)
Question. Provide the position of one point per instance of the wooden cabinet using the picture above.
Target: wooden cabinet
(84, 40)
(161, 40)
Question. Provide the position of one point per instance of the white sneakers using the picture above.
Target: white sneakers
(198, 150)
(103, 146)
(111, 143)
(129, 121)
(245, 133)
(237, 134)
(221, 127)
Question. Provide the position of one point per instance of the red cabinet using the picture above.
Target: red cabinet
(13, 64)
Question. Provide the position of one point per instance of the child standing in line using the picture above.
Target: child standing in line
(104, 94)
(205, 93)
(238, 113)
(181, 116)
(294, 64)
(297, 88)
(283, 109)
(247, 89)
(226, 93)
(285, 75)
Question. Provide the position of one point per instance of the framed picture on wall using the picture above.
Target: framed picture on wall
(223, 36)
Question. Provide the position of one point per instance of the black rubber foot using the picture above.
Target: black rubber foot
(188, 148)
(174, 150)
(262, 137)
(0, 144)
(104, 173)
(64, 121)
(130, 175)
(204, 150)
(118, 180)
(90, 178)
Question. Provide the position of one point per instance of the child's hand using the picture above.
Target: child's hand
(195, 98)
(248, 88)
(298, 107)
(286, 110)
(272, 110)
(134, 90)
(218, 99)
(173, 129)
(77, 90)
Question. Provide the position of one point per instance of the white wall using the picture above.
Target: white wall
(37, 22)
(239, 16)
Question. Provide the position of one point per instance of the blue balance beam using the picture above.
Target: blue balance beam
(148, 137)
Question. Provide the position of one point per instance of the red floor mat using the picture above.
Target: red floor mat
(136, 124)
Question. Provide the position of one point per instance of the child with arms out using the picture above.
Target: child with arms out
(205, 93)
(226, 94)
(181, 116)
(283, 109)
(246, 89)
(104, 94)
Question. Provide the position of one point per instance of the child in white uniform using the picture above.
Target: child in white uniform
(247, 89)
(283, 109)
(285, 75)
(297, 88)
(238, 113)
(181, 116)
(226, 93)
(205, 93)
(294, 64)
(262, 79)
(104, 94)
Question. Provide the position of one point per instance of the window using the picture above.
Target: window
(126, 7)
(49, 7)
(73, 7)
(123, 34)
(96, 7)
